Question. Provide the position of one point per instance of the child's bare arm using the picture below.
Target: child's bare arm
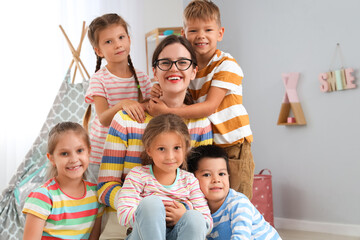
(133, 108)
(95, 233)
(198, 110)
(34, 227)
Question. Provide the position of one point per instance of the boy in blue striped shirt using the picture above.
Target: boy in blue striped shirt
(234, 216)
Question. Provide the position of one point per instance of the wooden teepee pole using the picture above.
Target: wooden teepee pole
(76, 53)
(78, 50)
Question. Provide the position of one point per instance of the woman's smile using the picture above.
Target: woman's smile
(174, 78)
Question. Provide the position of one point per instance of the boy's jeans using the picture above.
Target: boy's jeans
(150, 223)
(241, 164)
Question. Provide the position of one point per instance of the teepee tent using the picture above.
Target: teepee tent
(69, 105)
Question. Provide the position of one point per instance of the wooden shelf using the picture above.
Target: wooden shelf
(297, 111)
(288, 124)
(291, 102)
(152, 39)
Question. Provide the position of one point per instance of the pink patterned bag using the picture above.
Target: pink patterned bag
(262, 195)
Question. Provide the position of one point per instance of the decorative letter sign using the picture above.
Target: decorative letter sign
(337, 80)
(291, 101)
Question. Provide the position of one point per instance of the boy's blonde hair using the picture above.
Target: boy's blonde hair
(202, 9)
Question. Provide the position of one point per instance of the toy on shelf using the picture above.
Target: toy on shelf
(152, 39)
(291, 102)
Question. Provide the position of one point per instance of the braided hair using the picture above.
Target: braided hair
(97, 25)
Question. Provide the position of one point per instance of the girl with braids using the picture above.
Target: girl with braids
(114, 87)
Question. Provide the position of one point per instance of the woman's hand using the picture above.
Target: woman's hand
(174, 211)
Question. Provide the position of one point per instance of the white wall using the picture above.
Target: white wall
(315, 167)
(162, 13)
(36, 56)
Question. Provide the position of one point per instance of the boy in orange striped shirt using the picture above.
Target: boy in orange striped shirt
(217, 92)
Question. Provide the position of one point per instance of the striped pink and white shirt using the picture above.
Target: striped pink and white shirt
(141, 182)
(123, 147)
(114, 89)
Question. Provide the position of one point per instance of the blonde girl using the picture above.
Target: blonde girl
(116, 86)
(66, 206)
(159, 199)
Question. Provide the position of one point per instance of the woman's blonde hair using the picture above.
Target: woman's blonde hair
(162, 124)
(54, 137)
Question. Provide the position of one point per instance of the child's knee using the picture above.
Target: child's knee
(150, 205)
(194, 221)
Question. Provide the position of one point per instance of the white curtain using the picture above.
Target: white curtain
(35, 57)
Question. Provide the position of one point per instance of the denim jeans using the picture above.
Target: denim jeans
(92, 172)
(150, 223)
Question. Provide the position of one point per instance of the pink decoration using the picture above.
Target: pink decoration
(337, 80)
(324, 87)
(349, 78)
(290, 81)
(291, 120)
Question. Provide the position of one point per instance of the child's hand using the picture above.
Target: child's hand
(174, 211)
(134, 109)
(156, 107)
(156, 91)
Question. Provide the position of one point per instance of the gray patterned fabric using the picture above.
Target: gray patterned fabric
(69, 105)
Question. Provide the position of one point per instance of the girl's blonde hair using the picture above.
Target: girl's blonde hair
(95, 27)
(54, 137)
(162, 124)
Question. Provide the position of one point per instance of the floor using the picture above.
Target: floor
(301, 235)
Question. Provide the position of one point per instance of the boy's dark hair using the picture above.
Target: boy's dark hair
(205, 151)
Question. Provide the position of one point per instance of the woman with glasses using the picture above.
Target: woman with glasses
(174, 66)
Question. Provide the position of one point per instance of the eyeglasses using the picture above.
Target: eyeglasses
(166, 64)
